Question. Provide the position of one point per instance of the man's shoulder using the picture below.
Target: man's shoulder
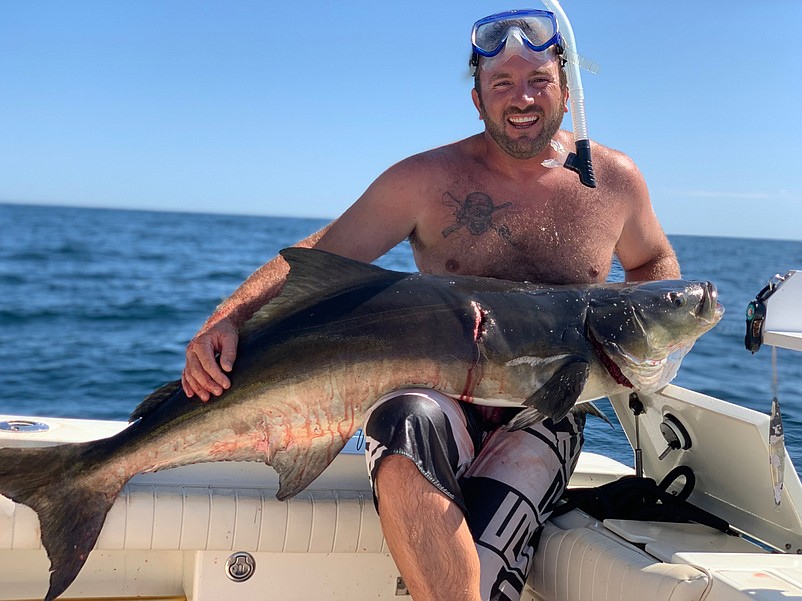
(443, 157)
(619, 180)
(614, 165)
(611, 157)
(416, 177)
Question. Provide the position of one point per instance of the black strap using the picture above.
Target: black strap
(633, 498)
(756, 316)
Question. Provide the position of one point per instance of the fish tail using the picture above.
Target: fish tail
(53, 482)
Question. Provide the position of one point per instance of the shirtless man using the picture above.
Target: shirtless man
(462, 501)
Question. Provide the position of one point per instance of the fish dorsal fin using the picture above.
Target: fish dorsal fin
(316, 275)
(155, 399)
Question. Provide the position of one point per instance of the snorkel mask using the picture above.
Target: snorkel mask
(527, 33)
(538, 36)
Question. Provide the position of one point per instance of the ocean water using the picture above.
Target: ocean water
(96, 308)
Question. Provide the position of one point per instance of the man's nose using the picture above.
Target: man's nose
(525, 95)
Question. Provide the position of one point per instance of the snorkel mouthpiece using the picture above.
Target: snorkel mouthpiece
(580, 162)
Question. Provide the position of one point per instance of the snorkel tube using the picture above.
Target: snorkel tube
(580, 161)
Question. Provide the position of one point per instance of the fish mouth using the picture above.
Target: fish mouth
(709, 309)
(608, 363)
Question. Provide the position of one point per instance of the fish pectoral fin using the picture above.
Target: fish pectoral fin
(297, 466)
(556, 397)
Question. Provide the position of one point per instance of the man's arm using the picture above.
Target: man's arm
(202, 374)
(643, 248)
(381, 218)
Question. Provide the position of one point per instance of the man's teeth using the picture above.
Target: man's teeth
(523, 120)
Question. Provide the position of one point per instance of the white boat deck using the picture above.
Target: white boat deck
(170, 534)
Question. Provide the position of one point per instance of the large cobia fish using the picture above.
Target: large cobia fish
(339, 336)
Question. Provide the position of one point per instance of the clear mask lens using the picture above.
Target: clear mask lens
(538, 28)
(515, 46)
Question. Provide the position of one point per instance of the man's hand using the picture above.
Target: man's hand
(202, 375)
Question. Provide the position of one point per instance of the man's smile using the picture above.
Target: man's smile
(522, 121)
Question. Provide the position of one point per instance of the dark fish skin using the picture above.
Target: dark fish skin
(339, 336)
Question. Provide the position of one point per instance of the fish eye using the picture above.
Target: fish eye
(678, 299)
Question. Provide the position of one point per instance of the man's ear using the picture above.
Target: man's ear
(476, 102)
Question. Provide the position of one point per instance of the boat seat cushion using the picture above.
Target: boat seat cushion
(582, 563)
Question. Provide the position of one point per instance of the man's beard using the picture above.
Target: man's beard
(523, 147)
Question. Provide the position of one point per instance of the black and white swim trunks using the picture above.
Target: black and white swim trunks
(506, 482)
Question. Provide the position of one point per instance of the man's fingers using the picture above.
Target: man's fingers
(191, 387)
(188, 390)
(210, 376)
(228, 355)
(200, 373)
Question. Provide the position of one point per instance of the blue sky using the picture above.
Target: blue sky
(267, 108)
